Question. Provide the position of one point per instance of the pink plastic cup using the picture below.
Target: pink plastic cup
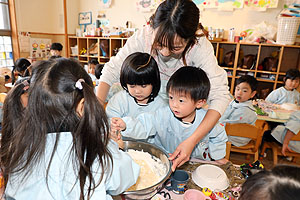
(193, 194)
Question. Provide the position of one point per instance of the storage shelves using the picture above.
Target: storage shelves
(230, 56)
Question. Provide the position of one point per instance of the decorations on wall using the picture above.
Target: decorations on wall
(105, 3)
(85, 18)
(40, 47)
(219, 3)
(24, 40)
(147, 5)
(261, 3)
(232, 4)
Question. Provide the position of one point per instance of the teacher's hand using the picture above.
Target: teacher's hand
(182, 153)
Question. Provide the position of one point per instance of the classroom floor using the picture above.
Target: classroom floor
(238, 159)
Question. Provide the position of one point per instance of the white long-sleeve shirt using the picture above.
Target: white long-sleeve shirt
(200, 55)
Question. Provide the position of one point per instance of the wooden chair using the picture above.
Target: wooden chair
(228, 148)
(248, 131)
(276, 149)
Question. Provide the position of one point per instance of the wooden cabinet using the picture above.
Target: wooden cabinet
(101, 48)
(233, 56)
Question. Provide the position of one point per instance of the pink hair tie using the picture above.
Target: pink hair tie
(78, 84)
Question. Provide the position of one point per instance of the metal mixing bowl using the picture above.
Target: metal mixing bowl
(153, 150)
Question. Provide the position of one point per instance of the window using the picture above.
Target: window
(6, 51)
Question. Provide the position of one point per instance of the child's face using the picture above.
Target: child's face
(140, 92)
(55, 52)
(91, 69)
(243, 92)
(183, 107)
(291, 84)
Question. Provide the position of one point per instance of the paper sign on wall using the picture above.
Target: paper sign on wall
(40, 47)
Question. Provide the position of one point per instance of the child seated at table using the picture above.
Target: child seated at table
(287, 93)
(282, 134)
(241, 110)
(282, 182)
(188, 90)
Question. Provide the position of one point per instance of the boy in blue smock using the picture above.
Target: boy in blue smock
(241, 110)
(188, 89)
(288, 92)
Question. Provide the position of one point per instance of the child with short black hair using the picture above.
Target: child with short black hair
(241, 110)
(287, 93)
(188, 89)
(283, 133)
(20, 69)
(140, 80)
(114, 89)
(98, 70)
(91, 69)
(62, 147)
(56, 49)
(282, 182)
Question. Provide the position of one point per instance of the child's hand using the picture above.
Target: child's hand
(116, 136)
(285, 148)
(117, 124)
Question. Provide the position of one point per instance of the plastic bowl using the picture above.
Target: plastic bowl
(148, 192)
(193, 194)
(210, 176)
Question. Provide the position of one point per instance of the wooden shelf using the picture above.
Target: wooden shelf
(105, 47)
(288, 57)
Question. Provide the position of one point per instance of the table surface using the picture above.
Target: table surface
(267, 118)
(232, 172)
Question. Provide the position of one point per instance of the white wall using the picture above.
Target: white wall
(72, 15)
(119, 12)
(125, 10)
(47, 15)
(44, 16)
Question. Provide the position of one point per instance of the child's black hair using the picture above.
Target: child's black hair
(93, 61)
(292, 74)
(282, 182)
(57, 87)
(20, 65)
(98, 70)
(191, 81)
(140, 69)
(248, 79)
(56, 46)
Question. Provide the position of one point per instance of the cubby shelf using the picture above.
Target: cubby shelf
(101, 48)
(288, 58)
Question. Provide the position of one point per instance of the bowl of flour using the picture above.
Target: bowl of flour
(155, 169)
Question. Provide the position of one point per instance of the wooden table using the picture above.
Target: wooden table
(267, 118)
